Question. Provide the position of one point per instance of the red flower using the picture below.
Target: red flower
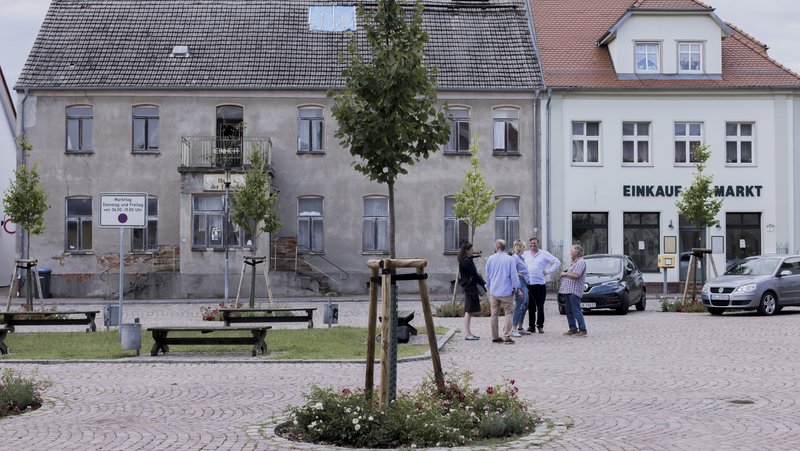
(512, 381)
(346, 391)
(490, 390)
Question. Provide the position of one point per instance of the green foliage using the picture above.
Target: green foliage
(25, 200)
(452, 414)
(681, 306)
(19, 393)
(698, 203)
(451, 310)
(387, 111)
(475, 201)
(253, 208)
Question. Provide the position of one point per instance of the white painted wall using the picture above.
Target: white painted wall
(8, 161)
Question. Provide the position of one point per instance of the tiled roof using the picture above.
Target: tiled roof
(261, 44)
(567, 34)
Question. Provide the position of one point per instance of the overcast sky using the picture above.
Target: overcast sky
(773, 22)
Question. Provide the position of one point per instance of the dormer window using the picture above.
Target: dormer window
(690, 57)
(647, 57)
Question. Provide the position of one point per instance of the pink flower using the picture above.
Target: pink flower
(346, 391)
(512, 381)
(490, 390)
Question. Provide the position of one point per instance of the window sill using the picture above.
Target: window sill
(67, 253)
(457, 153)
(590, 165)
(145, 152)
(309, 152)
(374, 252)
(503, 153)
(143, 252)
(220, 249)
(685, 165)
(450, 253)
(741, 165)
(637, 165)
(79, 152)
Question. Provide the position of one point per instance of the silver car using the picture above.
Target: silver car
(766, 283)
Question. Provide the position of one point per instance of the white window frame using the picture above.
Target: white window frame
(638, 138)
(699, 51)
(459, 120)
(375, 227)
(688, 139)
(738, 139)
(310, 122)
(506, 224)
(83, 125)
(459, 229)
(584, 139)
(146, 238)
(647, 47)
(504, 120)
(82, 243)
(307, 221)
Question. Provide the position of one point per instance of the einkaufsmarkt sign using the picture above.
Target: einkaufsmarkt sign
(675, 190)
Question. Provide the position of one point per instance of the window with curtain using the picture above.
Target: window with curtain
(585, 143)
(739, 143)
(310, 129)
(647, 57)
(688, 135)
(636, 143)
(506, 130)
(310, 224)
(375, 225)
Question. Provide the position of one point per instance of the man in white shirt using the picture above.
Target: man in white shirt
(540, 265)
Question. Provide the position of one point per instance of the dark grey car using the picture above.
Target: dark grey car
(612, 282)
(766, 283)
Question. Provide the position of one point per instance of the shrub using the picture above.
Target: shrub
(19, 394)
(450, 310)
(677, 305)
(453, 414)
(213, 313)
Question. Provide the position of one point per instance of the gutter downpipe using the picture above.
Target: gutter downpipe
(548, 142)
(21, 161)
(537, 157)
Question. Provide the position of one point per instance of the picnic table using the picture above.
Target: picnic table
(267, 315)
(163, 339)
(61, 317)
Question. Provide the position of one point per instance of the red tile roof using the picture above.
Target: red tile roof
(567, 34)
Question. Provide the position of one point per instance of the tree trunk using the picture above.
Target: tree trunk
(392, 246)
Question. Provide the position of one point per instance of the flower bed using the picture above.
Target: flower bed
(454, 414)
(19, 394)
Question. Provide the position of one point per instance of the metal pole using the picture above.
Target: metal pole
(121, 271)
(665, 281)
(225, 228)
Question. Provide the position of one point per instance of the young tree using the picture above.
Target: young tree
(698, 203)
(387, 111)
(253, 208)
(26, 201)
(475, 201)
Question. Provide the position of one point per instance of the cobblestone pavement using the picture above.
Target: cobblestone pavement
(648, 380)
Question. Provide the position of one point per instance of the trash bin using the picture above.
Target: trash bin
(44, 281)
(130, 335)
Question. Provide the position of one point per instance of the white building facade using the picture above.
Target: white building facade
(8, 161)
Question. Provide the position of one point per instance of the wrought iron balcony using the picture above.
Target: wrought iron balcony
(219, 152)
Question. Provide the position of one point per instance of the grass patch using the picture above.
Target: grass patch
(324, 344)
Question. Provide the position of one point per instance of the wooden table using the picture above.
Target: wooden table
(3, 332)
(251, 315)
(163, 340)
(61, 317)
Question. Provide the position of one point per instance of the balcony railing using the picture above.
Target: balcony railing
(217, 152)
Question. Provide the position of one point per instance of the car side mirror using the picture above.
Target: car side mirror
(785, 272)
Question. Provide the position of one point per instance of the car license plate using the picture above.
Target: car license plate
(720, 297)
(588, 304)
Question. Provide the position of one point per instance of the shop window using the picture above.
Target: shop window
(208, 224)
(742, 235)
(641, 239)
(590, 230)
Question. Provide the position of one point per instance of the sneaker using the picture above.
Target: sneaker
(570, 332)
(508, 341)
(497, 340)
(541, 329)
(531, 329)
(523, 332)
(580, 334)
(516, 334)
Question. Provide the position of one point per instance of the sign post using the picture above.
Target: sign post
(123, 211)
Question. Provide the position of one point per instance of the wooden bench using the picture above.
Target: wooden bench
(251, 315)
(3, 332)
(20, 318)
(163, 340)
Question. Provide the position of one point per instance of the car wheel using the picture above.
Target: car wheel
(624, 306)
(642, 304)
(769, 304)
(714, 311)
(561, 309)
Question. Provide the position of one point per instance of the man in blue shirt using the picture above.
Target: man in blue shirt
(502, 283)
